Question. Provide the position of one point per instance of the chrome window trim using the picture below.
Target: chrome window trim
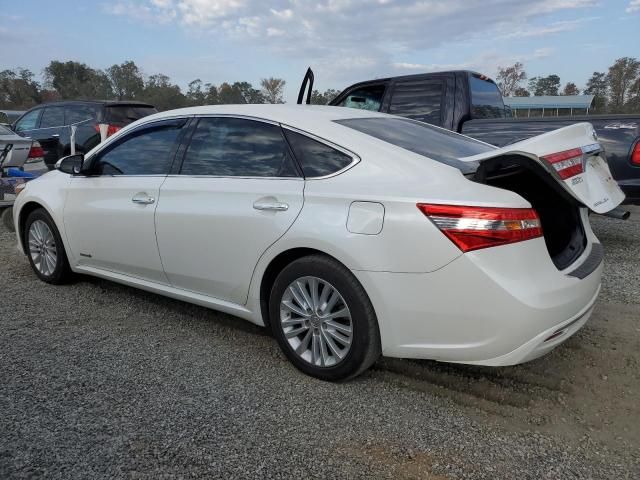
(355, 159)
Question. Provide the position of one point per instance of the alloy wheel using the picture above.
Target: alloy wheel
(316, 321)
(42, 248)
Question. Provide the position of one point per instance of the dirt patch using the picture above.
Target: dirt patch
(585, 390)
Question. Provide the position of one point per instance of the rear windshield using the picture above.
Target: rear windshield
(125, 114)
(421, 138)
(5, 131)
(486, 99)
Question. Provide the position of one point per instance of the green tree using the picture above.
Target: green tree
(521, 92)
(75, 80)
(510, 78)
(239, 93)
(325, 98)
(272, 89)
(18, 89)
(549, 85)
(622, 75)
(126, 80)
(570, 89)
(598, 86)
(159, 91)
(195, 95)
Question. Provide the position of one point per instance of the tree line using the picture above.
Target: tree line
(72, 80)
(615, 91)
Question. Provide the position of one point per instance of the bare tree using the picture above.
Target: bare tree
(272, 89)
(509, 78)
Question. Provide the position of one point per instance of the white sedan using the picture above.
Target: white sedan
(350, 234)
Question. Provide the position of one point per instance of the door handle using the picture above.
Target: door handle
(143, 199)
(270, 205)
(55, 135)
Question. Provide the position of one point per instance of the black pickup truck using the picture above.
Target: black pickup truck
(470, 103)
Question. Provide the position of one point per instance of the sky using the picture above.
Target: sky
(344, 41)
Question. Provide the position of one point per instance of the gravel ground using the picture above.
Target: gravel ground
(99, 380)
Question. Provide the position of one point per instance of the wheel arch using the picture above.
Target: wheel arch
(275, 266)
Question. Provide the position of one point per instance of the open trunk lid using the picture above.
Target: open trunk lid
(574, 158)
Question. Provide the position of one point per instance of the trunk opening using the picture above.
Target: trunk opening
(559, 212)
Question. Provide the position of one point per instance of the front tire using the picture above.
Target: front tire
(323, 319)
(44, 248)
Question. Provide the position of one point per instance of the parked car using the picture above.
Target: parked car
(351, 233)
(471, 103)
(7, 117)
(20, 152)
(50, 124)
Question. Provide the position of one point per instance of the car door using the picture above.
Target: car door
(109, 212)
(238, 190)
(52, 134)
(27, 125)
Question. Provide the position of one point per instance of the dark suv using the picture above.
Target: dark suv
(50, 124)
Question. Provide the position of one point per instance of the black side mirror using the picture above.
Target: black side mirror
(71, 164)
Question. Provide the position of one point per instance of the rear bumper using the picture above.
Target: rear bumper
(496, 306)
(631, 189)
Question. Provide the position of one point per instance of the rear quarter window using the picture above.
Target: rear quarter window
(316, 158)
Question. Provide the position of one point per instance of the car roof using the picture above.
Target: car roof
(288, 114)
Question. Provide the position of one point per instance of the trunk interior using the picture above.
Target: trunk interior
(559, 213)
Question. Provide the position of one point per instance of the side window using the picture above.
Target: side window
(366, 98)
(29, 121)
(148, 151)
(316, 158)
(236, 147)
(52, 117)
(80, 113)
(418, 99)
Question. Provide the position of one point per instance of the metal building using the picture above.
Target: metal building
(549, 106)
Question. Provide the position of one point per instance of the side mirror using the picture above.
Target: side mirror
(71, 164)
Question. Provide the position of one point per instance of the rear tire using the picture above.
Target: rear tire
(44, 248)
(323, 319)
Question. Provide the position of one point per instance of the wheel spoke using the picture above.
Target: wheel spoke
(293, 308)
(313, 287)
(346, 329)
(332, 345)
(315, 349)
(304, 344)
(346, 341)
(299, 298)
(303, 291)
(333, 299)
(343, 312)
(294, 332)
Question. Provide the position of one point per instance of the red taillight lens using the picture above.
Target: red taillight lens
(567, 163)
(472, 228)
(35, 152)
(111, 129)
(635, 155)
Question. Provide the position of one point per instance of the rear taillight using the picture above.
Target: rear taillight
(472, 228)
(36, 153)
(635, 155)
(111, 129)
(567, 163)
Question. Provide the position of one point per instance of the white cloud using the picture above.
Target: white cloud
(364, 37)
(634, 6)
